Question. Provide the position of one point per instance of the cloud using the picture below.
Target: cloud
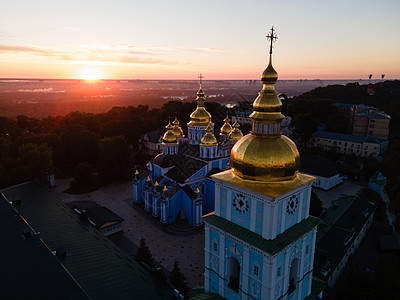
(47, 90)
(104, 54)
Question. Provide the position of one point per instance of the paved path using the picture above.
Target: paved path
(187, 249)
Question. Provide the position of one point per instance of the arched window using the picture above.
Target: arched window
(293, 275)
(234, 274)
(215, 246)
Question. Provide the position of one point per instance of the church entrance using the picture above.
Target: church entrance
(234, 272)
(293, 275)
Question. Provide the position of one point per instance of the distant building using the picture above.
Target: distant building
(322, 168)
(366, 120)
(349, 144)
(343, 227)
(150, 142)
(50, 253)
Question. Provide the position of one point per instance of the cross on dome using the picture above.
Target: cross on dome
(201, 77)
(272, 37)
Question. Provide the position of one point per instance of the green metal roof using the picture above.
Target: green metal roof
(340, 225)
(102, 269)
(271, 246)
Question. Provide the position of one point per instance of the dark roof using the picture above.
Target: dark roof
(271, 246)
(154, 135)
(173, 191)
(189, 150)
(183, 167)
(341, 224)
(102, 269)
(390, 242)
(101, 215)
(213, 171)
(143, 175)
(28, 268)
(317, 165)
(188, 190)
(345, 137)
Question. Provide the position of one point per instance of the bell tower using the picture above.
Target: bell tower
(260, 241)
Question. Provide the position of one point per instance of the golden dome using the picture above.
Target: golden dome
(208, 139)
(235, 134)
(200, 117)
(177, 131)
(264, 154)
(169, 137)
(226, 128)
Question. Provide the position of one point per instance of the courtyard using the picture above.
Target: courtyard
(165, 244)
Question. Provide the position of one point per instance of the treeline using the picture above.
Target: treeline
(84, 143)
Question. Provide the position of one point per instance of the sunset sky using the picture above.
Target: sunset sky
(179, 39)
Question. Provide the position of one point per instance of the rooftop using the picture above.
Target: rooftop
(341, 224)
(318, 165)
(347, 137)
(102, 269)
(270, 246)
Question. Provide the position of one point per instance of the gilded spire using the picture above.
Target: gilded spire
(169, 137)
(208, 139)
(235, 134)
(177, 130)
(265, 155)
(200, 117)
(226, 128)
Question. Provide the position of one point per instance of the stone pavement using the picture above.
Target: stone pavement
(165, 245)
(346, 188)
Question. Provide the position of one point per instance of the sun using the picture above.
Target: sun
(91, 74)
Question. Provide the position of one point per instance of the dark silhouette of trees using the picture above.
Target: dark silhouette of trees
(144, 254)
(178, 280)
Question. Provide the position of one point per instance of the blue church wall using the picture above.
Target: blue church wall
(188, 206)
(173, 207)
(209, 196)
(259, 217)
(241, 217)
(214, 283)
(223, 203)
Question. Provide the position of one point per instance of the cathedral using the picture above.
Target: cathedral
(177, 183)
(260, 240)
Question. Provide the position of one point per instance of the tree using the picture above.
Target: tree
(144, 254)
(305, 125)
(83, 175)
(114, 158)
(36, 160)
(315, 205)
(178, 280)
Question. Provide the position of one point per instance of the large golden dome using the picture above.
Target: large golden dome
(264, 154)
(200, 117)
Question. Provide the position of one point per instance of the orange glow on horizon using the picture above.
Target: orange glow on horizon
(91, 74)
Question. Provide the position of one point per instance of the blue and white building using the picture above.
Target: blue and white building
(260, 240)
(177, 184)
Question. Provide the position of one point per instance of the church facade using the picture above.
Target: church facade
(260, 240)
(177, 184)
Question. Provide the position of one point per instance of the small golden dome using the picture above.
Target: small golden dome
(235, 134)
(177, 130)
(226, 128)
(200, 117)
(169, 137)
(208, 139)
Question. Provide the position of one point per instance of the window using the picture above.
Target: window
(255, 270)
(307, 248)
(215, 246)
(371, 126)
(370, 132)
(279, 271)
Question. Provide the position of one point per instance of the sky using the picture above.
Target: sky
(180, 39)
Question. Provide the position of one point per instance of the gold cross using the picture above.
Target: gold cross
(201, 77)
(271, 36)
